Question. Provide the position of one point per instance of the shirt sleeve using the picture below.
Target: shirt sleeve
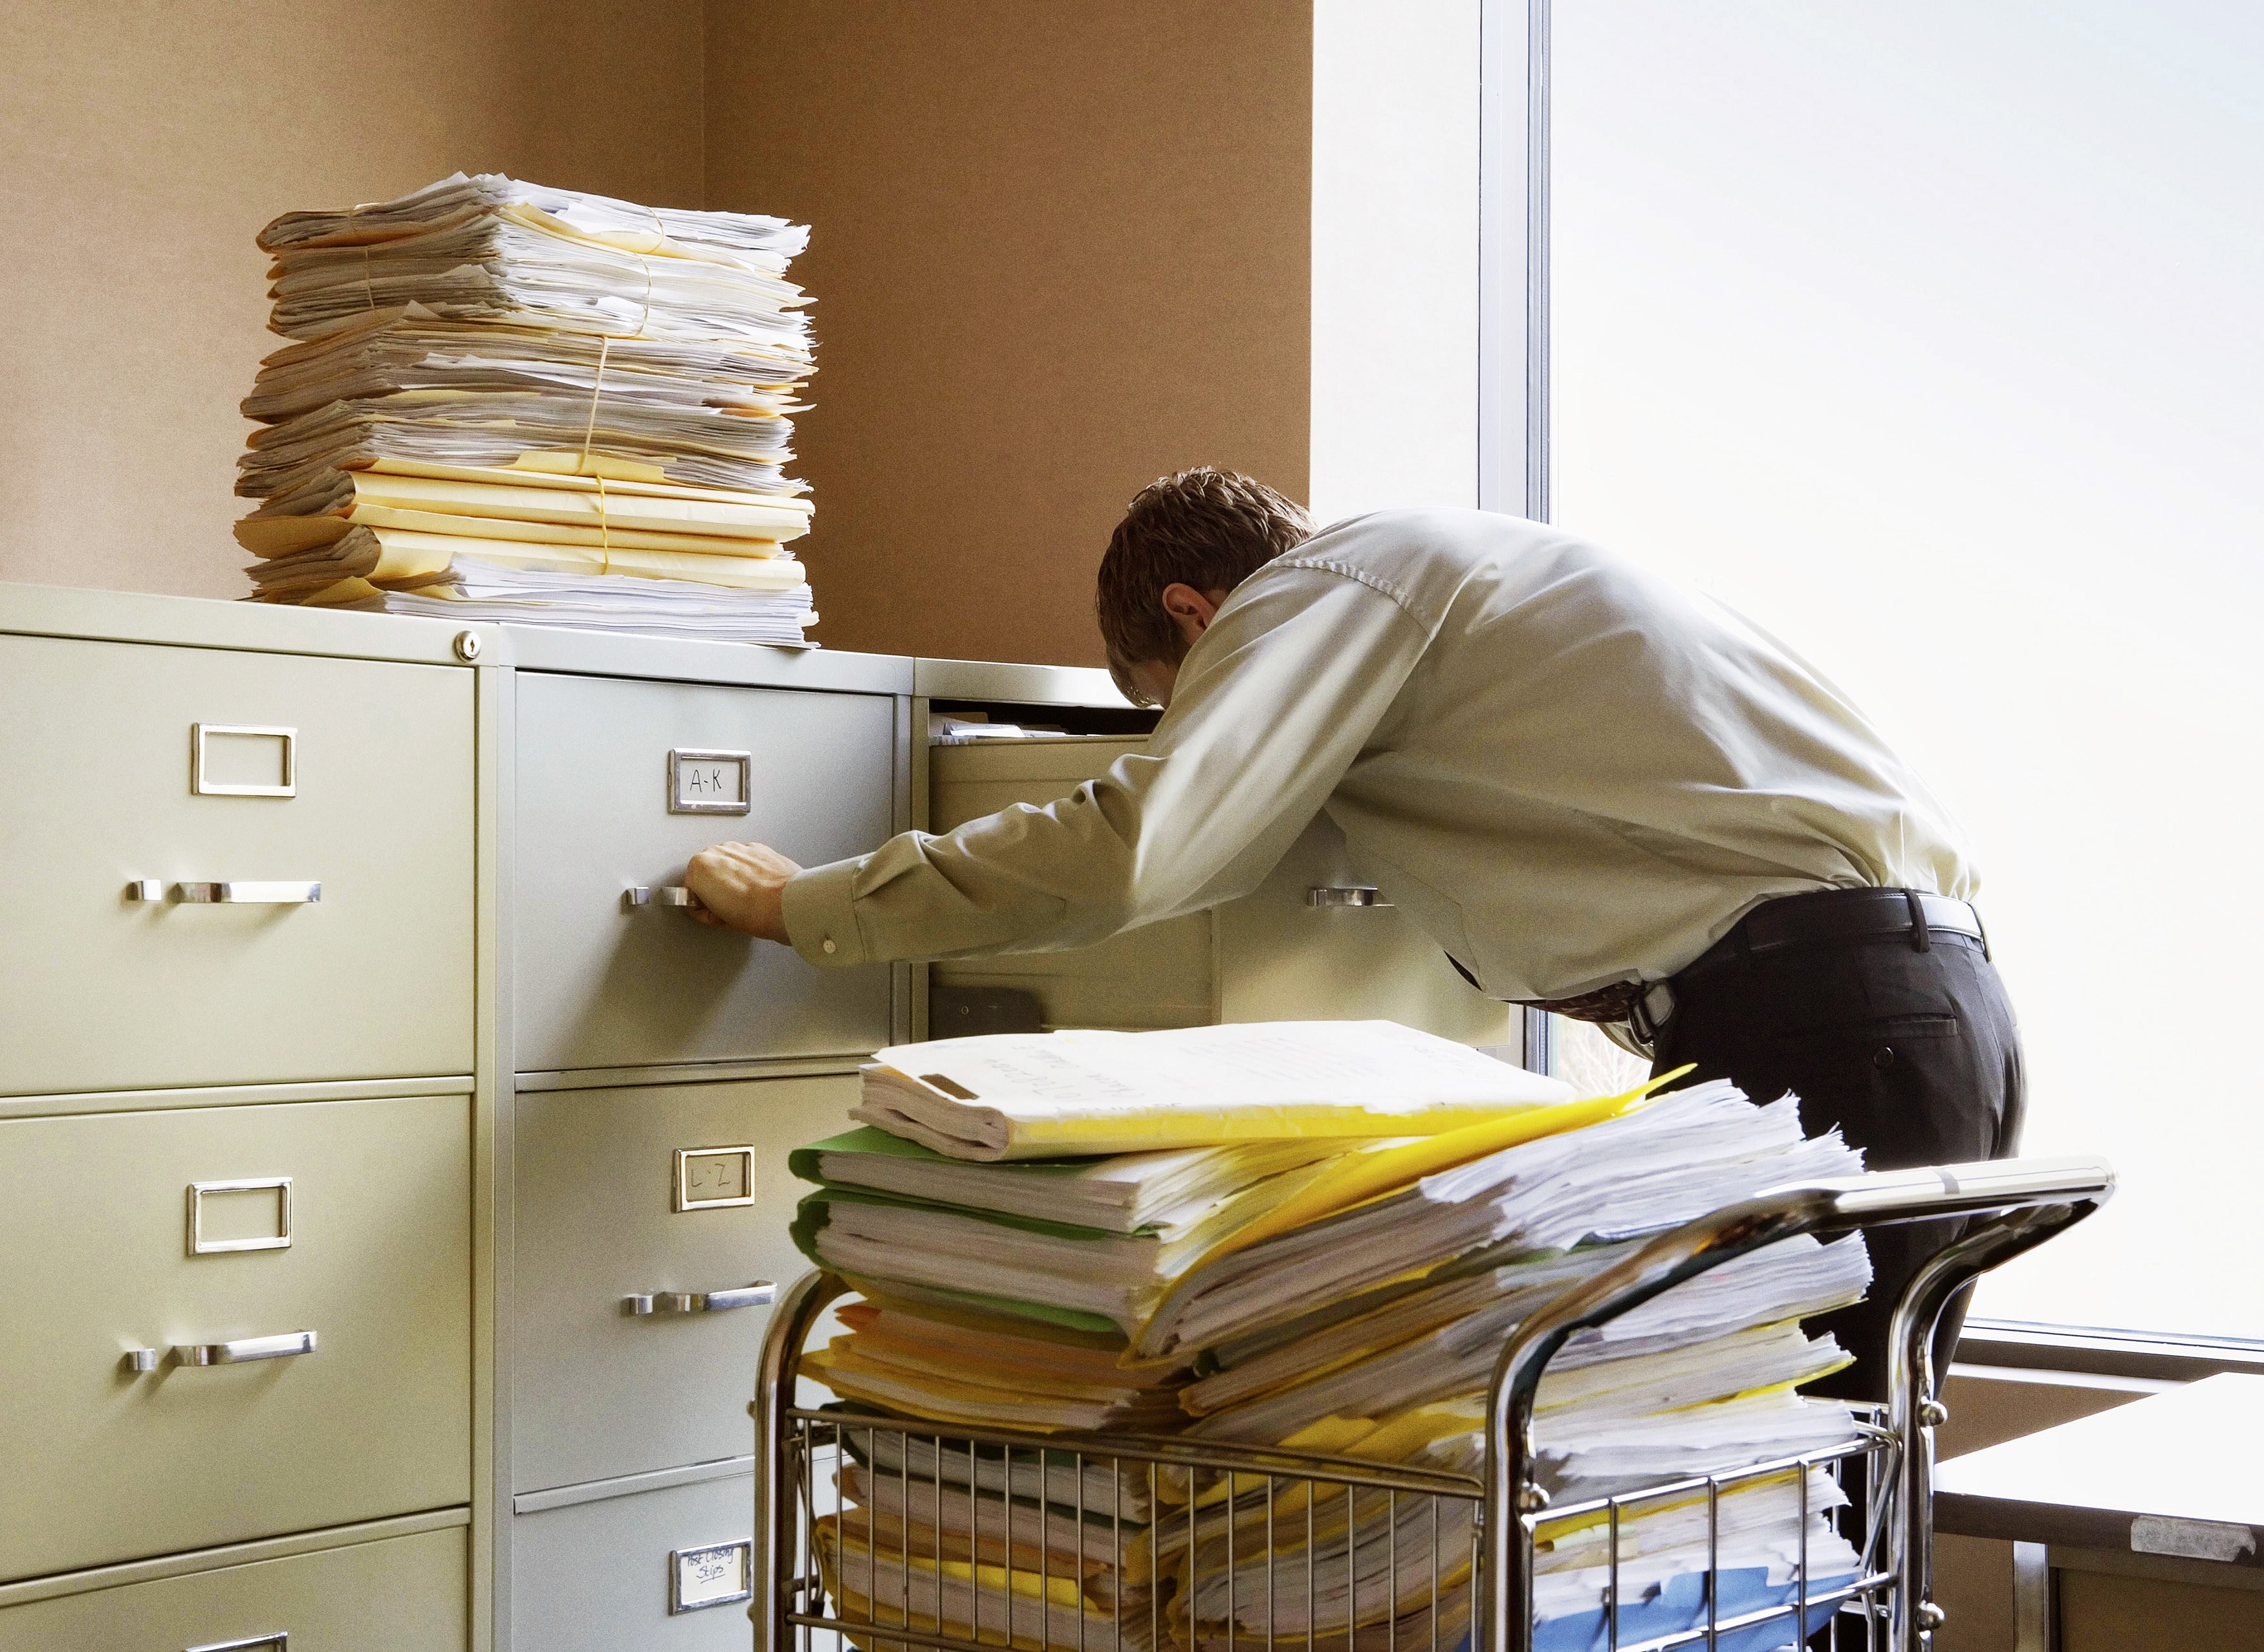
(1273, 703)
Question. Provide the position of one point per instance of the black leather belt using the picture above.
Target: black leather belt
(1824, 917)
(1827, 916)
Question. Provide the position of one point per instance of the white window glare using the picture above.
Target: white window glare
(1929, 337)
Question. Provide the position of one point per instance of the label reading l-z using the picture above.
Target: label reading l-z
(712, 1179)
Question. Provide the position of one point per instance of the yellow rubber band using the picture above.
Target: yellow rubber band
(605, 537)
(597, 386)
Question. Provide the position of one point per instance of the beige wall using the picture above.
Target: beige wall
(1059, 250)
(147, 142)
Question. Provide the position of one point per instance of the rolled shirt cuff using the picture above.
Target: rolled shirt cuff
(820, 908)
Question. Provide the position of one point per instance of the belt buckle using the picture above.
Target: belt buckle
(1642, 1025)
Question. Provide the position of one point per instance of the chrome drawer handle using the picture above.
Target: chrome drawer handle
(226, 1353)
(230, 893)
(665, 894)
(280, 1641)
(1365, 895)
(761, 1294)
(246, 1348)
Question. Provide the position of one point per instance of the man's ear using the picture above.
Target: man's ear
(1191, 611)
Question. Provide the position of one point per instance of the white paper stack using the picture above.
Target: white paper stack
(560, 409)
(1043, 1094)
(475, 590)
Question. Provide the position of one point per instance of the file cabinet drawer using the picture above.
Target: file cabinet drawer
(1161, 975)
(596, 1577)
(404, 1594)
(601, 983)
(599, 1392)
(106, 1463)
(1272, 955)
(99, 763)
(1281, 958)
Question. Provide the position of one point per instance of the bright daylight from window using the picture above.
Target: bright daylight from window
(1927, 335)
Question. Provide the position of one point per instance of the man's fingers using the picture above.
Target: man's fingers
(739, 887)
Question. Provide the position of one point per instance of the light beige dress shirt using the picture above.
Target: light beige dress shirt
(1566, 769)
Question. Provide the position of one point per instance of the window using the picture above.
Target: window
(1928, 336)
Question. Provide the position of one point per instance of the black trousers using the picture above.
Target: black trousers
(1914, 1056)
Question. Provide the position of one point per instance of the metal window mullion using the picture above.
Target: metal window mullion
(1512, 387)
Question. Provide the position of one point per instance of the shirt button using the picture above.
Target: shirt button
(829, 947)
(1883, 1058)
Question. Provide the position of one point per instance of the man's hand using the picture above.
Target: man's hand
(741, 887)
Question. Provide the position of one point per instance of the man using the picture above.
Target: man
(1598, 792)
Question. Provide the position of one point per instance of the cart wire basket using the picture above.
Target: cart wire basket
(891, 1535)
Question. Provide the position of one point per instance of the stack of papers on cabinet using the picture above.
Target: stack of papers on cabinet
(475, 589)
(496, 385)
(497, 249)
(1283, 1273)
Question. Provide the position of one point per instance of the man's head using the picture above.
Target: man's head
(1185, 542)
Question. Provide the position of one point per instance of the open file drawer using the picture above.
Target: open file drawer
(619, 783)
(1309, 943)
(1162, 976)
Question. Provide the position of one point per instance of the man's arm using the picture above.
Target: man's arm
(1273, 705)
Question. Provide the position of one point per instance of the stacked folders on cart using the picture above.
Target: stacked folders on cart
(1314, 1236)
(506, 402)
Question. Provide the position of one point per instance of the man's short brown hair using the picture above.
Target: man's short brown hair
(1209, 529)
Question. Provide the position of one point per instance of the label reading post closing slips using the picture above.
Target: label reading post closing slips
(713, 1576)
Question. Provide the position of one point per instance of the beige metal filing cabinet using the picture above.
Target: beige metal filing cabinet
(239, 1115)
(659, 1073)
(387, 1167)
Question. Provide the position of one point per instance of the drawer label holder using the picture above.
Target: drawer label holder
(702, 782)
(203, 783)
(279, 1240)
(715, 1575)
(715, 1179)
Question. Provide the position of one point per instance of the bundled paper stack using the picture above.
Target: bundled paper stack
(514, 402)
(1318, 1236)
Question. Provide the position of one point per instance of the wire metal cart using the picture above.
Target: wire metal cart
(888, 1535)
